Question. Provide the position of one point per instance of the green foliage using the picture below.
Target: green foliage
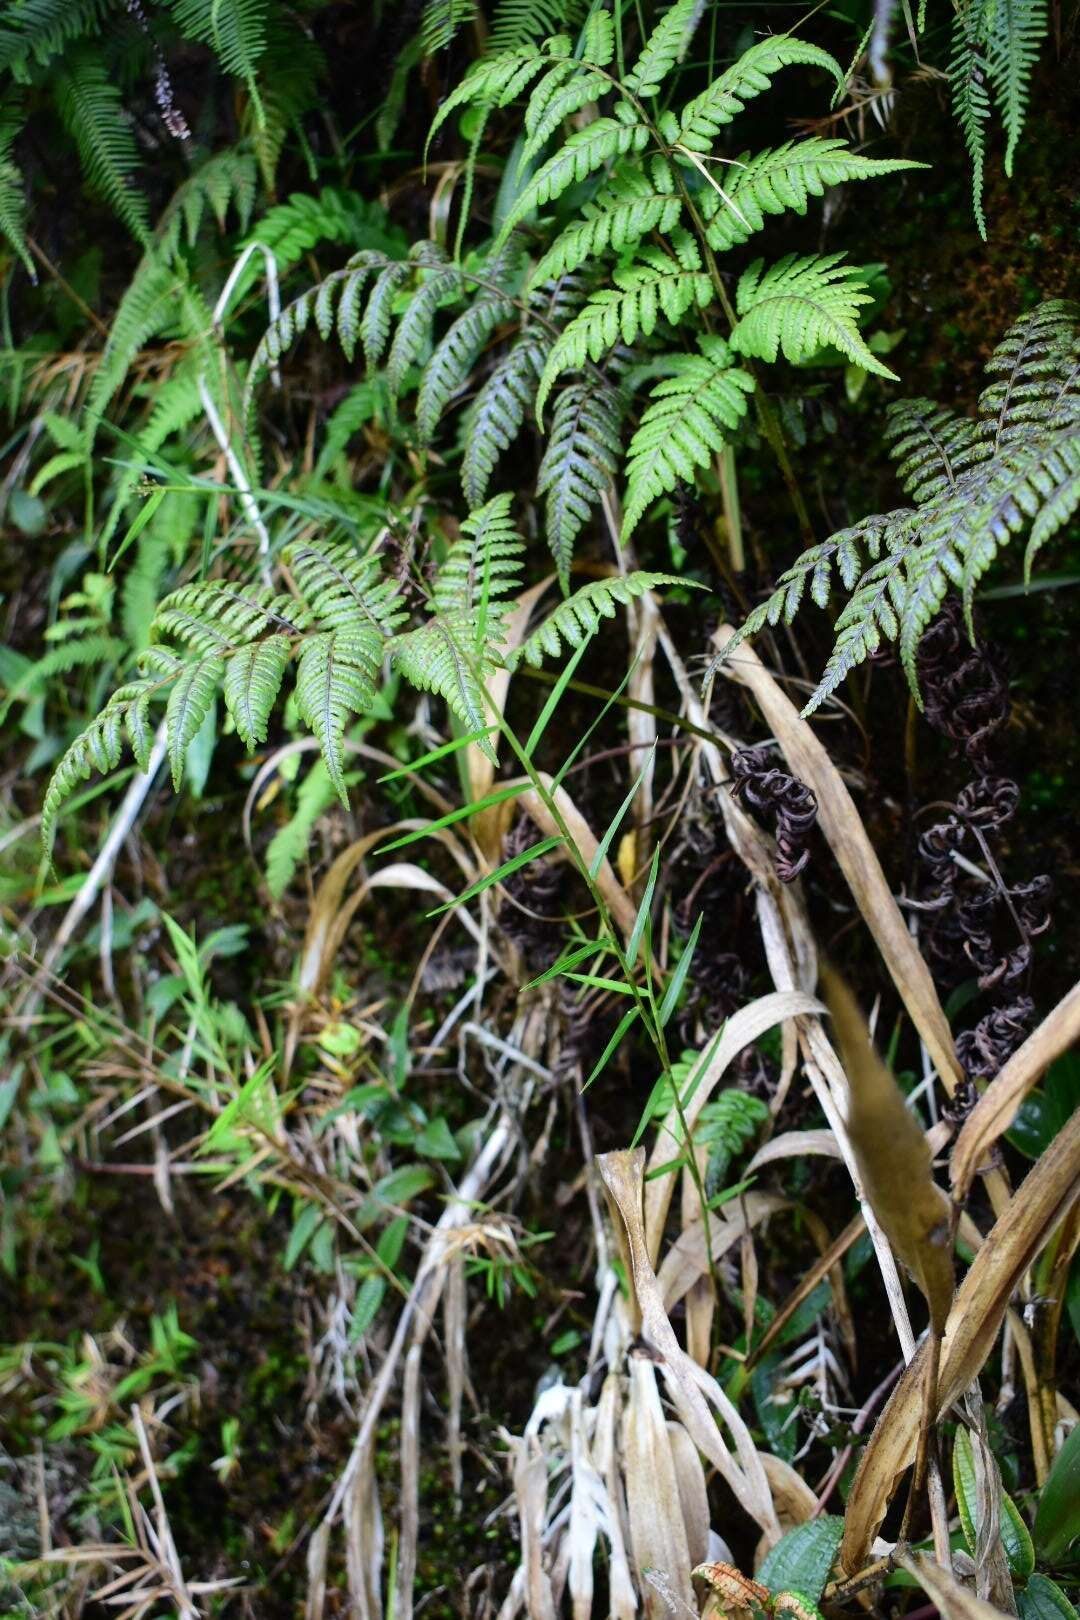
(91, 107)
(995, 45)
(976, 483)
(803, 1558)
(579, 616)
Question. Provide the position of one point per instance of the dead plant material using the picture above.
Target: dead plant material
(954, 1600)
(855, 855)
(1023, 1228)
(893, 1157)
(996, 1108)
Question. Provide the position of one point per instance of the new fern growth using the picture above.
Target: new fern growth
(976, 484)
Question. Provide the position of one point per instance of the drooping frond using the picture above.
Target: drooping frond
(38, 29)
(451, 363)
(236, 33)
(798, 306)
(518, 22)
(13, 199)
(579, 465)
(692, 415)
(701, 120)
(977, 484)
(654, 285)
(969, 76)
(579, 617)
(227, 180)
(99, 748)
(783, 180)
(441, 20)
(291, 67)
(498, 411)
(666, 45)
(456, 650)
(1015, 32)
(296, 226)
(91, 107)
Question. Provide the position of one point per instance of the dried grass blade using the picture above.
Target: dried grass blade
(657, 1532)
(954, 1601)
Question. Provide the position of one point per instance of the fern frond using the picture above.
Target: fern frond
(666, 45)
(155, 302)
(226, 180)
(783, 180)
(99, 748)
(563, 91)
(369, 399)
(497, 412)
(585, 151)
(692, 416)
(930, 445)
(434, 658)
(91, 108)
(579, 464)
(290, 69)
(518, 22)
(873, 612)
(578, 618)
(294, 227)
(1016, 31)
(193, 691)
(1036, 368)
(495, 81)
(798, 306)
(701, 120)
(339, 588)
(13, 200)
(655, 285)
(441, 20)
(479, 569)
(336, 678)
(235, 32)
(969, 75)
(41, 28)
(637, 202)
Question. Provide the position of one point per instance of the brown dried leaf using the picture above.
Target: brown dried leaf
(1047, 1194)
(893, 1157)
(657, 1531)
(954, 1600)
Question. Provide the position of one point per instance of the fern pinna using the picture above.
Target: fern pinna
(975, 483)
(574, 288)
(344, 620)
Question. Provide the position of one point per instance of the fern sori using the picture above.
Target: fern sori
(975, 483)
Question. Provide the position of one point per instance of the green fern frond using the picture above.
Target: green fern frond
(479, 569)
(305, 220)
(637, 202)
(563, 91)
(13, 199)
(291, 68)
(585, 151)
(495, 81)
(578, 618)
(433, 658)
(236, 33)
(977, 485)
(336, 678)
(193, 691)
(655, 285)
(39, 29)
(340, 588)
(783, 180)
(1016, 31)
(452, 362)
(498, 411)
(368, 401)
(701, 120)
(692, 416)
(157, 301)
(99, 748)
(412, 338)
(969, 76)
(518, 22)
(441, 20)
(798, 306)
(226, 180)
(579, 465)
(666, 45)
(176, 406)
(77, 652)
(92, 110)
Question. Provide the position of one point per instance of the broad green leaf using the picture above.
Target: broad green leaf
(1057, 1518)
(802, 1559)
(1043, 1599)
(1014, 1532)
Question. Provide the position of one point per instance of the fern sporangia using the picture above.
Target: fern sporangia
(344, 621)
(975, 483)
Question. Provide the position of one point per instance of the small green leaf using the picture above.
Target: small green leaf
(678, 978)
(624, 1024)
(436, 1141)
(1057, 1518)
(1014, 1532)
(1043, 1599)
(304, 1228)
(802, 1560)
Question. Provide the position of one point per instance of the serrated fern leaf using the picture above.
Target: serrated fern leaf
(666, 45)
(454, 356)
(1016, 31)
(968, 75)
(41, 28)
(441, 20)
(498, 411)
(630, 211)
(563, 91)
(493, 81)
(435, 657)
(235, 30)
(692, 415)
(479, 569)
(930, 444)
(13, 199)
(579, 617)
(193, 691)
(336, 678)
(579, 465)
(517, 22)
(340, 589)
(782, 181)
(99, 748)
(586, 151)
(701, 120)
(656, 285)
(91, 107)
(798, 306)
